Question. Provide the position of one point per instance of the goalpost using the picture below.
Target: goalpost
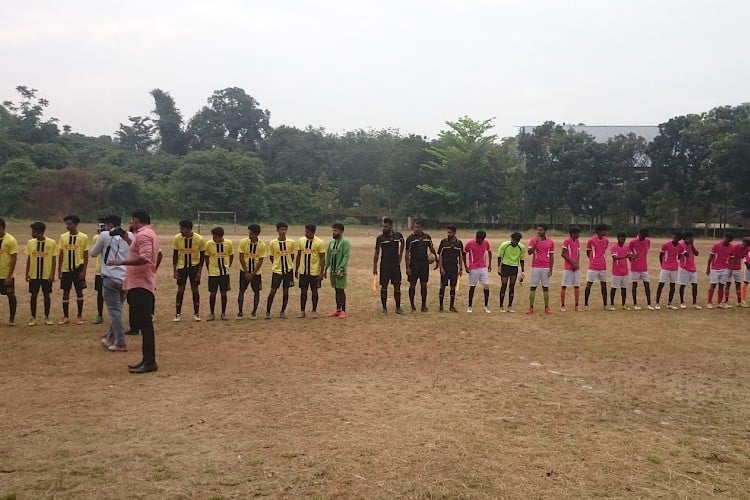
(205, 212)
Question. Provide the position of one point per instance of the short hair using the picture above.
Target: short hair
(687, 234)
(255, 228)
(643, 231)
(38, 227)
(115, 220)
(417, 222)
(72, 218)
(310, 227)
(279, 225)
(600, 227)
(515, 236)
(2, 222)
(451, 228)
(677, 234)
(729, 236)
(746, 240)
(574, 230)
(481, 234)
(218, 231)
(387, 220)
(543, 226)
(337, 225)
(622, 235)
(186, 223)
(142, 216)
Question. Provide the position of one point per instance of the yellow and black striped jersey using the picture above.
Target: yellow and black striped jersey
(219, 257)
(41, 254)
(309, 262)
(188, 250)
(252, 253)
(72, 247)
(282, 253)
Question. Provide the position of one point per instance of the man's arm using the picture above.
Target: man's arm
(52, 273)
(566, 257)
(322, 257)
(711, 257)
(661, 257)
(375, 258)
(28, 264)
(175, 260)
(296, 263)
(12, 267)
(432, 249)
(60, 259)
(523, 270)
(551, 262)
(85, 264)
(489, 265)
(96, 250)
(402, 245)
(159, 258)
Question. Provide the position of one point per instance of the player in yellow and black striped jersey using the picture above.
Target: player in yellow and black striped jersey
(41, 260)
(219, 258)
(8, 259)
(252, 251)
(73, 260)
(187, 263)
(281, 252)
(311, 254)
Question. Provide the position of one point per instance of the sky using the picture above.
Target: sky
(410, 65)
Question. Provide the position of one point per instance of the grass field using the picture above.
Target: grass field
(600, 404)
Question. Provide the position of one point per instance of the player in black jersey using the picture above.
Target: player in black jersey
(418, 263)
(389, 249)
(450, 259)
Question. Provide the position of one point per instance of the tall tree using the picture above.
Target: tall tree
(232, 120)
(137, 137)
(169, 123)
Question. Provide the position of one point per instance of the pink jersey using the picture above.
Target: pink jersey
(687, 259)
(620, 266)
(574, 253)
(671, 253)
(477, 253)
(640, 249)
(721, 255)
(747, 256)
(597, 251)
(738, 252)
(543, 251)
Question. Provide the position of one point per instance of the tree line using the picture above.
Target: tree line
(228, 157)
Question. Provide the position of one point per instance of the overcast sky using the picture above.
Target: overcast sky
(406, 64)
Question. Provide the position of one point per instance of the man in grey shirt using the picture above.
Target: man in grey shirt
(113, 244)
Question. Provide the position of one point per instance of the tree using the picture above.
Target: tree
(50, 155)
(293, 203)
(61, 192)
(16, 179)
(27, 124)
(220, 180)
(169, 123)
(232, 120)
(137, 137)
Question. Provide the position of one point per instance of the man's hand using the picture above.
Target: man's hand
(27, 278)
(176, 275)
(523, 277)
(549, 273)
(113, 262)
(52, 279)
(325, 274)
(442, 272)
(374, 272)
(82, 275)
(296, 274)
(408, 271)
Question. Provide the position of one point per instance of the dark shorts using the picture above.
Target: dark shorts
(256, 283)
(188, 272)
(508, 271)
(72, 279)
(390, 272)
(286, 279)
(450, 277)
(308, 281)
(44, 285)
(419, 271)
(98, 283)
(218, 283)
(5, 289)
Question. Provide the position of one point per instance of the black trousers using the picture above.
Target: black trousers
(141, 303)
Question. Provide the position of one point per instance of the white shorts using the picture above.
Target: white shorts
(665, 276)
(718, 276)
(684, 277)
(480, 275)
(639, 276)
(571, 278)
(734, 275)
(539, 275)
(592, 276)
(747, 275)
(619, 281)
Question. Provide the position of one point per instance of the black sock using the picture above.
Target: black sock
(412, 293)
(453, 296)
(384, 297)
(32, 303)
(240, 302)
(397, 297)
(314, 299)
(196, 302)
(284, 299)
(441, 296)
(486, 297)
(302, 299)
(212, 303)
(224, 304)
(503, 288)
(471, 295)
(511, 293)
(79, 303)
(256, 301)
(424, 295)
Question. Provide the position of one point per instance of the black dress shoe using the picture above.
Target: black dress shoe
(144, 369)
(137, 365)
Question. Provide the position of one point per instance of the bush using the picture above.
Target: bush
(351, 221)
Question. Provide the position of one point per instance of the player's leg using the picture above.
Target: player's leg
(287, 284)
(603, 286)
(241, 294)
(272, 294)
(623, 294)
(485, 277)
(635, 292)
(535, 280)
(671, 291)
(224, 287)
(452, 282)
(315, 285)
(256, 285)
(694, 286)
(304, 284)
(613, 292)
(441, 291)
(663, 276)
(424, 277)
(503, 289)
(563, 292)
(33, 299)
(511, 291)
(737, 287)
(47, 299)
(395, 276)
(213, 287)
(79, 285)
(65, 285)
(587, 291)
(98, 286)
(545, 291)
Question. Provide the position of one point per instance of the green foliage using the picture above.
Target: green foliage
(169, 123)
(17, 177)
(293, 203)
(50, 155)
(351, 221)
(220, 180)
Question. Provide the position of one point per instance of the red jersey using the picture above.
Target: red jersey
(620, 266)
(687, 259)
(640, 249)
(543, 250)
(574, 253)
(721, 253)
(597, 250)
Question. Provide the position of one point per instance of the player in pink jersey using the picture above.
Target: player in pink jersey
(746, 265)
(717, 268)
(571, 254)
(688, 272)
(478, 261)
(669, 260)
(596, 250)
(735, 274)
(639, 247)
(620, 255)
(543, 251)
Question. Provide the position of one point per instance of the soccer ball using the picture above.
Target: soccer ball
(431, 259)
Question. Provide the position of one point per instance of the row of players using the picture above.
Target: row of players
(308, 260)
(452, 258)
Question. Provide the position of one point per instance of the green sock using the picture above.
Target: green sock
(546, 298)
(532, 297)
